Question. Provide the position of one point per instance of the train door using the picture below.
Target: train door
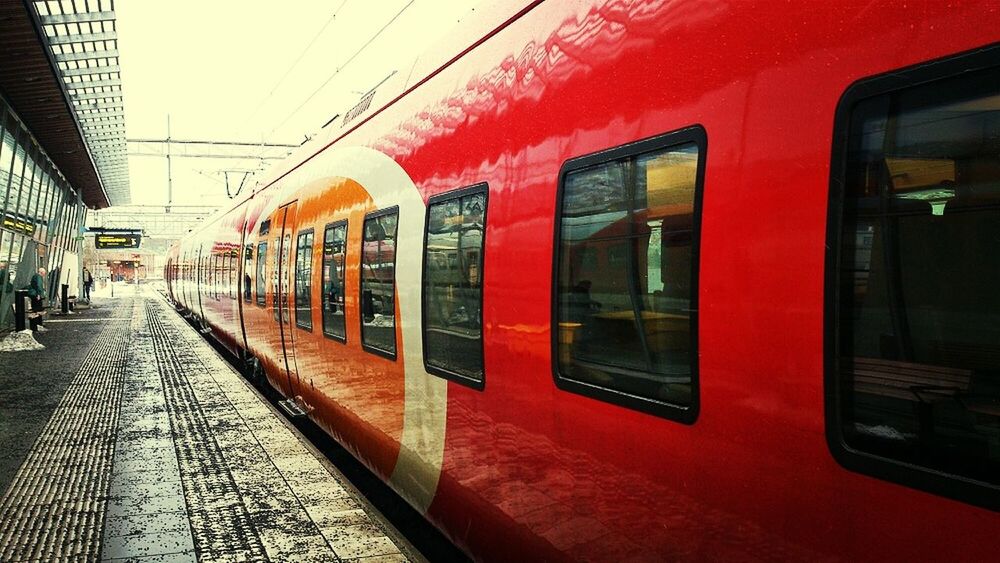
(185, 279)
(244, 291)
(199, 281)
(284, 291)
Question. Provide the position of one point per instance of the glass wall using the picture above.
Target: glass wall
(40, 214)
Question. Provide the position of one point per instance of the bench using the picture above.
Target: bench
(979, 357)
(922, 384)
(908, 381)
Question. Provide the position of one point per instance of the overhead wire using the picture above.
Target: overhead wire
(298, 59)
(343, 66)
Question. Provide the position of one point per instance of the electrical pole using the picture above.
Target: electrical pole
(170, 184)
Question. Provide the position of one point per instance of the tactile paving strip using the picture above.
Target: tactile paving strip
(301, 509)
(220, 522)
(54, 507)
(166, 447)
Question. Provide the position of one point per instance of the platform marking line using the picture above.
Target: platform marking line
(54, 508)
(146, 514)
(88, 320)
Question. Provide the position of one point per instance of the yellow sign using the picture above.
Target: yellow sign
(18, 225)
(117, 240)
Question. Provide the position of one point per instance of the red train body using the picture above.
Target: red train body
(511, 464)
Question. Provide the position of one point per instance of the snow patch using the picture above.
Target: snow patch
(880, 431)
(19, 342)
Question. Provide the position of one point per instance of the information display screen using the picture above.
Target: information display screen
(117, 240)
(17, 224)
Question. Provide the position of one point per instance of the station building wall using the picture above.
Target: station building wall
(40, 215)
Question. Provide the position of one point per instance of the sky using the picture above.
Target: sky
(255, 71)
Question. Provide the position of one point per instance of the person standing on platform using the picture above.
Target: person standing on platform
(5, 285)
(88, 282)
(36, 291)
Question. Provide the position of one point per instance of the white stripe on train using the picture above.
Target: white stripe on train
(418, 468)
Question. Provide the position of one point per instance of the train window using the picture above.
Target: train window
(453, 286)
(626, 276)
(303, 280)
(913, 350)
(334, 254)
(261, 263)
(378, 283)
(247, 268)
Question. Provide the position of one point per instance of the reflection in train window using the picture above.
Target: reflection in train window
(917, 357)
(303, 280)
(334, 254)
(378, 283)
(261, 261)
(625, 303)
(453, 286)
(247, 268)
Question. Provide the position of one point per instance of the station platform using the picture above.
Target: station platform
(128, 438)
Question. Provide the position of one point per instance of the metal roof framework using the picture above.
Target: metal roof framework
(153, 220)
(83, 42)
(33, 90)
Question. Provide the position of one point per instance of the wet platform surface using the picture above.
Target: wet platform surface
(130, 439)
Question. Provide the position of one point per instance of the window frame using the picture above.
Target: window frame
(956, 487)
(311, 246)
(692, 134)
(392, 210)
(347, 230)
(480, 188)
(244, 293)
(260, 275)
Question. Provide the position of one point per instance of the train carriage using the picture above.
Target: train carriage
(649, 280)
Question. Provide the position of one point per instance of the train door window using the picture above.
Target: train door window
(626, 276)
(334, 255)
(378, 283)
(247, 268)
(231, 273)
(234, 273)
(913, 319)
(453, 286)
(275, 267)
(303, 280)
(261, 264)
(281, 297)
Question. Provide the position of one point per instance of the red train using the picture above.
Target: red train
(650, 280)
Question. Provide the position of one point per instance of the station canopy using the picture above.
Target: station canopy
(59, 70)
